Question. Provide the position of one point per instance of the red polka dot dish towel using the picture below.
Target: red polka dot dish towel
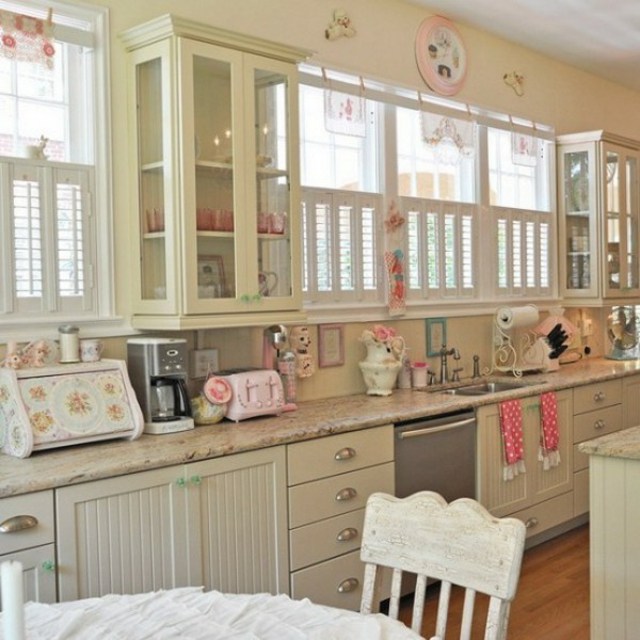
(512, 442)
(548, 452)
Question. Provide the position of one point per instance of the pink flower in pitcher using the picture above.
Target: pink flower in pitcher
(382, 333)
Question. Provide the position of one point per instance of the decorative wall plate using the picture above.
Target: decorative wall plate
(441, 55)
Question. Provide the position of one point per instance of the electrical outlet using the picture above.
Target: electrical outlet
(202, 362)
(587, 328)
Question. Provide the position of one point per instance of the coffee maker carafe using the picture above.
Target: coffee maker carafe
(157, 368)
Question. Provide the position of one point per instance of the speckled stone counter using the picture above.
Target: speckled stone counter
(621, 444)
(81, 463)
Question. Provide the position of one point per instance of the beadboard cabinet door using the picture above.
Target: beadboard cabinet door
(220, 523)
(535, 485)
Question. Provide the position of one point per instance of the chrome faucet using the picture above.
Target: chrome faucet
(444, 366)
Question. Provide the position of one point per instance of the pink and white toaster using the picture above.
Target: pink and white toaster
(254, 393)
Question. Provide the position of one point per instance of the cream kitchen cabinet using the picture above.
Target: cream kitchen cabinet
(220, 523)
(27, 535)
(599, 211)
(330, 480)
(214, 150)
(598, 410)
(542, 499)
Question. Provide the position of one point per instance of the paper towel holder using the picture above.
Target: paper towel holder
(517, 359)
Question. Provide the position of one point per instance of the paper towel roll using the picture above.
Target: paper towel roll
(514, 317)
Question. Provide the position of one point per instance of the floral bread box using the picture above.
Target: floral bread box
(60, 405)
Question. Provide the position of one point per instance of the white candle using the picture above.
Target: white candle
(12, 600)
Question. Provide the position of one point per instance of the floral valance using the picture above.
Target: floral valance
(27, 39)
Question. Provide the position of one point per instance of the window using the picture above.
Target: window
(333, 160)
(471, 187)
(54, 195)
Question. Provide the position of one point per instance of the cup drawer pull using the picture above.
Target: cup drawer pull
(18, 523)
(348, 493)
(347, 534)
(345, 454)
(348, 585)
(599, 396)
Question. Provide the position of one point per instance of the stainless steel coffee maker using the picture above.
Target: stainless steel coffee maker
(158, 371)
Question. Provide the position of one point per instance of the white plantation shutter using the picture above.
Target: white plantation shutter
(50, 226)
(440, 248)
(27, 237)
(340, 246)
(523, 252)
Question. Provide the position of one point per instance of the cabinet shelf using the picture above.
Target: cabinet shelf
(152, 166)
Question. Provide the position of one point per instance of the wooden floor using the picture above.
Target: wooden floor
(552, 600)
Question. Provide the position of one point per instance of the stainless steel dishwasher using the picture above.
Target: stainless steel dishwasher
(437, 454)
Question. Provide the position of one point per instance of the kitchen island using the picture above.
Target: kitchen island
(614, 466)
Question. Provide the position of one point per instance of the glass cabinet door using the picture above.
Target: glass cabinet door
(621, 220)
(579, 208)
(272, 183)
(152, 206)
(236, 111)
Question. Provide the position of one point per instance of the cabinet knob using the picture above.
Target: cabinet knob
(599, 396)
(18, 523)
(348, 585)
(181, 482)
(531, 523)
(598, 424)
(348, 493)
(345, 454)
(48, 566)
(347, 534)
(197, 480)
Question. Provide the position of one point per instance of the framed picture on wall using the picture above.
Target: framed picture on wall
(436, 335)
(211, 280)
(330, 345)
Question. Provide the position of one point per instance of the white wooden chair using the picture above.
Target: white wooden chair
(459, 543)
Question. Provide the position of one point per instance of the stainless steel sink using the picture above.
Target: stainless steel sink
(484, 388)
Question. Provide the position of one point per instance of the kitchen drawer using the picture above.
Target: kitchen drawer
(38, 572)
(329, 497)
(324, 457)
(39, 527)
(336, 583)
(597, 395)
(597, 423)
(581, 492)
(326, 539)
(547, 514)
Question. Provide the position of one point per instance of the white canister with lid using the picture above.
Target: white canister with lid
(69, 337)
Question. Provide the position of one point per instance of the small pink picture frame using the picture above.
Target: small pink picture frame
(441, 55)
(330, 345)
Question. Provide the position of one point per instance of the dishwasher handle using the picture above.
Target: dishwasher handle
(428, 430)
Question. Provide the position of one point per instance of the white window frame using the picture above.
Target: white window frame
(485, 292)
(97, 316)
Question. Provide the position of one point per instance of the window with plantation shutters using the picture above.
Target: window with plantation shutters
(473, 189)
(54, 174)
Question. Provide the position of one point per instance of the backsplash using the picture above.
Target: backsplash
(471, 336)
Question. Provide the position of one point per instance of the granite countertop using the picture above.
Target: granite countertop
(621, 444)
(81, 463)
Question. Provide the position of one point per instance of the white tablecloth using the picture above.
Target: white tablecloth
(191, 614)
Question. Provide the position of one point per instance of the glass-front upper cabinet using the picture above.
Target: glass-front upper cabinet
(216, 151)
(599, 210)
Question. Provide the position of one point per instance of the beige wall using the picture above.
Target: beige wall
(556, 94)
